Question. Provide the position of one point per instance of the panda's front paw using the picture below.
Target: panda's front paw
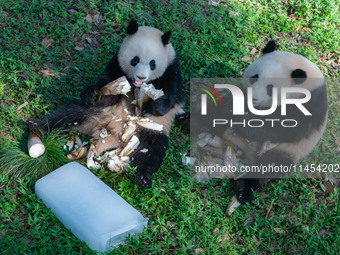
(161, 106)
(244, 191)
(143, 179)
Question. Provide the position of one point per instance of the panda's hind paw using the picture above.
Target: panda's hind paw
(244, 191)
(143, 180)
(33, 125)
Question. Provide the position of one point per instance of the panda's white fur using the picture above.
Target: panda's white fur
(146, 42)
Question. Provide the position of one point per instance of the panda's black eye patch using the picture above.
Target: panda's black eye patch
(299, 76)
(152, 64)
(253, 78)
(270, 90)
(134, 61)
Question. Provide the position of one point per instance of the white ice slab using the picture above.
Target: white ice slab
(88, 207)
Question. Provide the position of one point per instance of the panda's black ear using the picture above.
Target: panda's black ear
(132, 27)
(270, 47)
(299, 76)
(166, 37)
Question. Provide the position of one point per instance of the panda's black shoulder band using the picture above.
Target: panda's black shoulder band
(132, 27)
(270, 47)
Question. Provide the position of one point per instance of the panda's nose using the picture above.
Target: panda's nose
(141, 77)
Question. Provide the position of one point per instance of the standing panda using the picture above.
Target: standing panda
(145, 56)
(279, 145)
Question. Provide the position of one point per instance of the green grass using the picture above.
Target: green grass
(16, 163)
(184, 217)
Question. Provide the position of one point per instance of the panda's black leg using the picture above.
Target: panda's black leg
(183, 116)
(183, 120)
(245, 187)
(149, 155)
(67, 116)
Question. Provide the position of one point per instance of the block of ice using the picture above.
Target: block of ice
(88, 207)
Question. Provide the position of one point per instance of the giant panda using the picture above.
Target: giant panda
(145, 56)
(276, 69)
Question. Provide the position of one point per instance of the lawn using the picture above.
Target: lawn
(50, 49)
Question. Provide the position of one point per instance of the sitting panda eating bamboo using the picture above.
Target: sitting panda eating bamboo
(114, 120)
